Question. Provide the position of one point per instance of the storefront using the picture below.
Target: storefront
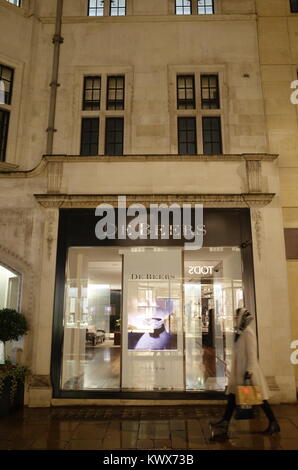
(148, 318)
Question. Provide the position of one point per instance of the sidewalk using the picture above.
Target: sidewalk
(166, 428)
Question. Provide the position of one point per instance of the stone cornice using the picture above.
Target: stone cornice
(7, 172)
(60, 201)
(151, 18)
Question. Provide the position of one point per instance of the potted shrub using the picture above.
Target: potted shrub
(12, 376)
(117, 333)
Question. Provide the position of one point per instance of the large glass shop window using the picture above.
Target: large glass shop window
(150, 318)
(10, 283)
(91, 346)
(212, 292)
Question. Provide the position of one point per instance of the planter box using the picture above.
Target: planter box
(117, 338)
(6, 405)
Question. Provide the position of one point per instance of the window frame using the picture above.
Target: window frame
(210, 101)
(4, 134)
(108, 120)
(183, 104)
(6, 109)
(204, 6)
(96, 8)
(11, 83)
(198, 112)
(85, 89)
(212, 143)
(187, 131)
(18, 4)
(117, 8)
(83, 121)
(111, 105)
(294, 6)
(184, 7)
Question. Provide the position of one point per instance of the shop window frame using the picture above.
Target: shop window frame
(75, 229)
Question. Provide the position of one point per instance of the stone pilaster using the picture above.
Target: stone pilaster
(40, 390)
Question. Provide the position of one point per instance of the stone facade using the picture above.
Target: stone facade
(245, 44)
(278, 49)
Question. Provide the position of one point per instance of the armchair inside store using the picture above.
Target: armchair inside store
(148, 318)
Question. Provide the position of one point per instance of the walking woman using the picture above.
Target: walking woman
(245, 365)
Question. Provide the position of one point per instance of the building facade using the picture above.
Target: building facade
(136, 102)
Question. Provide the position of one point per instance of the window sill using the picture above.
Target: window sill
(4, 166)
(18, 10)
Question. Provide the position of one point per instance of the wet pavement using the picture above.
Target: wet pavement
(160, 427)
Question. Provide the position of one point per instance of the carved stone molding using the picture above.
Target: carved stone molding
(50, 228)
(208, 200)
(40, 381)
(257, 219)
(254, 175)
(55, 175)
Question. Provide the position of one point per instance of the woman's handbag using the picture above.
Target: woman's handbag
(247, 396)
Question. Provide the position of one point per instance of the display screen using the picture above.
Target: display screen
(153, 326)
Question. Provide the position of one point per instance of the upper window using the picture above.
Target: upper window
(92, 92)
(183, 7)
(189, 7)
(17, 3)
(96, 7)
(203, 114)
(205, 7)
(6, 84)
(117, 7)
(115, 92)
(294, 6)
(4, 121)
(186, 92)
(210, 92)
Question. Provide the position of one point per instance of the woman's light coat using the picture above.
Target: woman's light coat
(245, 359)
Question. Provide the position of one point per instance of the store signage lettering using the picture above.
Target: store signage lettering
(152, 223)
(200, 270)
(152, 276)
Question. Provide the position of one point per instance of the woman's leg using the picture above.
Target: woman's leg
(230, 407)
(220, 428)
(273, 424)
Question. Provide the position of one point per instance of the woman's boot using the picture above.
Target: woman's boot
(273, 426)
(220, 428)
